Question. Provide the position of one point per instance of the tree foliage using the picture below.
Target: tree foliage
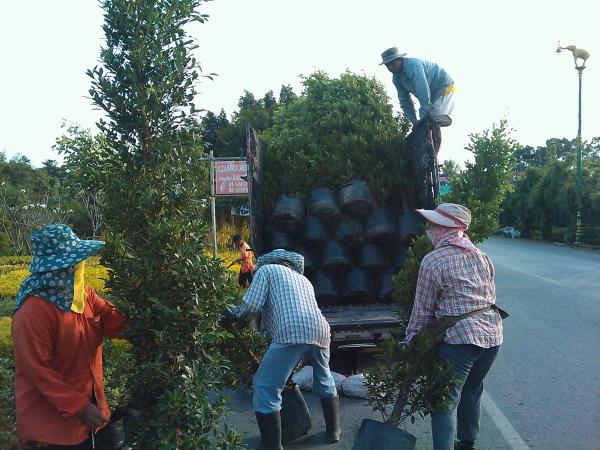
(164, 282)
(484, 183)
(338, 129)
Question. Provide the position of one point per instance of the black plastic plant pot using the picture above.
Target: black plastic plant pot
(349, 232)
(326, 290)
(378, 435)
(373, 257)
(335, 258)
(410, 224)
(295, 416)
(322, 203)
(288, 212)
(277, 238)
(381, 226)
(112, 436)
(310, 262)
(313, 232)
(355, 198)
(386, 286)
(357, 287)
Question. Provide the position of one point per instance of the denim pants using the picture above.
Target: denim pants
(470, 364)
(275, 369)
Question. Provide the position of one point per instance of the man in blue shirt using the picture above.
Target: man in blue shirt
(427, 81)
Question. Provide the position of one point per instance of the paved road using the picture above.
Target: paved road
(544, 389)
(546, 380)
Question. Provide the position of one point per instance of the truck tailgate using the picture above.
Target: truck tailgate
(357, 317)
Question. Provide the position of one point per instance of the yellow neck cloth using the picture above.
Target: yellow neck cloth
(79, 294)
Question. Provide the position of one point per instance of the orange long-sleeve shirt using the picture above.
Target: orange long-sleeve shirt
(58, 360)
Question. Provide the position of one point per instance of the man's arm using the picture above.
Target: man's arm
(406, 103)
(255, 297)
(112, 322)
(422, 92)
(428, 287)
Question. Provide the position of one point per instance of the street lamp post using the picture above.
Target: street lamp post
(579, 56)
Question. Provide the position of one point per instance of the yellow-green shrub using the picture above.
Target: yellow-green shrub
(5, 337)
(13, 274)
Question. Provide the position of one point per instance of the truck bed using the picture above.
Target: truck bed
(361, 323)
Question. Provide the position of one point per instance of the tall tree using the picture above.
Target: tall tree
(162, 278)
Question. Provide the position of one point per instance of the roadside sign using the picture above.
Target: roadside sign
(228, 178)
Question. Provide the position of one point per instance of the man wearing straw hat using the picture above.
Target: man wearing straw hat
(290, 315)
(57, 329)
(457, 279)
(427, 81)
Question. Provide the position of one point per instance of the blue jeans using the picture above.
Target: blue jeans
(470, 364)
(275, 369)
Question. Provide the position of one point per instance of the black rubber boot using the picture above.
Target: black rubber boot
(331, 414)
(464, 445)
(270, 430)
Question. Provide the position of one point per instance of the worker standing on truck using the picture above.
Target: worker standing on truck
(455, 279)
(285, 298)
(245, 261)
(427, 81)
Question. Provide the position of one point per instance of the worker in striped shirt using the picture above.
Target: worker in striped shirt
(456, 278)
(285, 298)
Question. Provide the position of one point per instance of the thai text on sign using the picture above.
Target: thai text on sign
(228, 178)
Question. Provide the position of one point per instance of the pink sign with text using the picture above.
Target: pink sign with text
(228, 178)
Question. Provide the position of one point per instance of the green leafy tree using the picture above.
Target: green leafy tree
(482, 186)
(161, 276)
(338, 129)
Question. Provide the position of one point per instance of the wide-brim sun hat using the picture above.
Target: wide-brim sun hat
(56, 247)
(391, 54)
(295, 260)
(448, 215)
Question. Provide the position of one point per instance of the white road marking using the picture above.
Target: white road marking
(508, 431)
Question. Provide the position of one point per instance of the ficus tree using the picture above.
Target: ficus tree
(162, 278)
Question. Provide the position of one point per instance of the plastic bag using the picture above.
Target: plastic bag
(276, 238)
(381, 226)
(399, 257)
(313, 232)
(386, 286)
(357, 287)
(326, 289)
(304, 379)
(373, 257)
(410, 224)
(321, 203)
(310, 262)
(355, 198)
(288, 212)
(349, 232)
(336, 259)
(354, 386)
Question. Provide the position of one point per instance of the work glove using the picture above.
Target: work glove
(227, 319)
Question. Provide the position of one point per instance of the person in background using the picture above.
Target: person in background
(427, 81)
(456, 278)
(245, 261)
(57, 329)
(290, 315)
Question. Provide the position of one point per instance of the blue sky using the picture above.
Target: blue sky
(500, 54)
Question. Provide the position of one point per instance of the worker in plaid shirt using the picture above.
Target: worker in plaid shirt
(456, 278)
(285, 298)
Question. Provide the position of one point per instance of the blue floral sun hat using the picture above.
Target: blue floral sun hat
(296, 260)
(56, 247)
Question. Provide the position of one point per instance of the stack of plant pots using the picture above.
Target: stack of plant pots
(352, 247)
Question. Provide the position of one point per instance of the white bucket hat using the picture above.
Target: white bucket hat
(448, 215)
(391, 54)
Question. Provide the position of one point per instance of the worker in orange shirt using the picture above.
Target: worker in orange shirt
(57, 329)
(245, 260)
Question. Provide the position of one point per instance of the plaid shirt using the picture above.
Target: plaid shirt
(286, 301)
(453, 282)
